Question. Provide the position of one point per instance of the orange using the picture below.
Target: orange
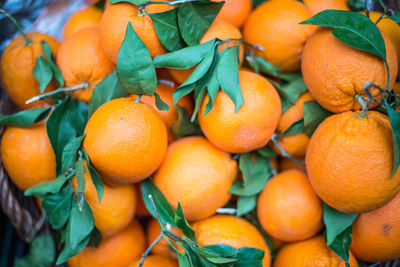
(230, 230)
(316, 6)
(287, 164)
(155, 261)
(115, 20)
(288, 208)
(116, 209)
(295, 144)
(235, 11)
(81, 58)
(84, 18)
(275, 26)
(335, 72)
(27, 155)
(376, 233)
(196, 174)
(350, 160)
(16, 70)
(118, 250)
(171, 115)
(310, 253)
(181, 75)
(126, 141)
(162, 248)
(141, 209)
(254, 123)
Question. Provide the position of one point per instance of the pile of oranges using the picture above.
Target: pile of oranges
(348, 159)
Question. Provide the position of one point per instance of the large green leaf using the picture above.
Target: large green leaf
(182, 223)
(25, 118)
(336, 222)
(58, 206)
(70, 151)
(341, 245)
(245, 204)
(81, 223)
(48, 56)
(48, 187)
(42, 73)
(96, 180)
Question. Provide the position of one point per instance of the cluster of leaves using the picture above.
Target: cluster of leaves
(195, 255)
(42, 253)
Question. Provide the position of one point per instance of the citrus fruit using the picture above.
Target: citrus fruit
(288, 208)
(27, 155)
(155, 261)
(16, 68)
(316, 6)
(349, 162)
(335, 72)
(162, 248)
(81, 58)
(287, 164)
(235, 11)
(254, 123)
(141, 209)
(87, 17)
(312, 252)
(126, 141)
(118, 250)
(196, 174)
(275, 26)
(230, 230)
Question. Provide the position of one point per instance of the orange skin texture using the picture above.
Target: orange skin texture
(126, 141)
(275, 26)
(115, 20)
(118, 250)
(27, 155)
(316, 6)
(335, 72)
(295, 144)
(376, 233)
(81, 58)
(235, 11)
(350, 160)
(141, 209)
(155, 261)
(287, 164)
(312, 252)
(288, 207)
(230, 230)
(16, 69)
(84, 18)
(254, 123)
(196, 174)
(116, 209)
(162, 248)
(171, 115)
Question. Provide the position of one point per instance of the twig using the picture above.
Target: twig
(171, 3)
(226, 211)
(19, 27)
(166, 82)
(144, 255)
(59, 90)
(284, 153)
(258, 47)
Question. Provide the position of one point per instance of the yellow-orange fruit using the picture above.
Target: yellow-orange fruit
(287, 164)
(84, 18)
(235, 11)
(316, 6)
(141, 209)
(155, 261)
(162, 248)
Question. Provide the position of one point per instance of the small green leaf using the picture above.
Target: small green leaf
(49, 60)
(394, 118)
(42, 253)
(96, 180)
(183, 126)
(135, 68)
(48, 187)
(292, 90)
(25, 118)
(68, 252)
(194, 19)
(245, 204)
(167, 29)
(261, 65)
(70, 151)
(58, 206)
(212, 90)
(341, 245)
(135, 2)
(395, 17)
(42, 73)
(295, 128)
(161, 105)
(182, 223)
(80, 175)
(81, 224)
(314, 114)
(267, 152)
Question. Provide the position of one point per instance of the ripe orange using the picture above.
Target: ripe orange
(288, 208)
(16, 70)
(116, 209)
(275, 26)
(115, 20)
(232, 231)
(155, 261)
(287, 164)
(316, 6)
(126, 141)
(310, 253)
(141, 209)
(296, 144)
(235, 11)
(335, 72)
(196, 174)
(118, 250)
(84, 18)
(27, 155)
(376, 233)
(350, 160)
(162, 248)
(171, 115)
(254, 123)
(81, 58)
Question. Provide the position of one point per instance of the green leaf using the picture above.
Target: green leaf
(267, 152)
(49, 60)
(292, 90)
(194, 19)
(394, 118)
(183, 126)
(135, 2)
(135, 68)
(80, 225)
(58, 206)
(341, 245)
(295, 128)
(25, 118)
(42, 73)
(245, 204)
(228, 75)
(314, 114)
(48, 187)
(108, 89)
(395, 17)
(353, 29)
(182, 223)
(167, 29)
(261, 65)
(336, 222)
(80, 175)
(42, 253)
(184, 58)
(68, 252)
(96, 180)
(70, 151)
(95, 238)
(161, 105)
(212, 90)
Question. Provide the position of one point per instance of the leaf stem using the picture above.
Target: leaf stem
(59, 90)
(19, 27)
(226, 211)
(171, 3)
(258, 47)
(138, 97)
(387, 75)
(166, 82)
(284, 153)
(364, 104)
(144, 255)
